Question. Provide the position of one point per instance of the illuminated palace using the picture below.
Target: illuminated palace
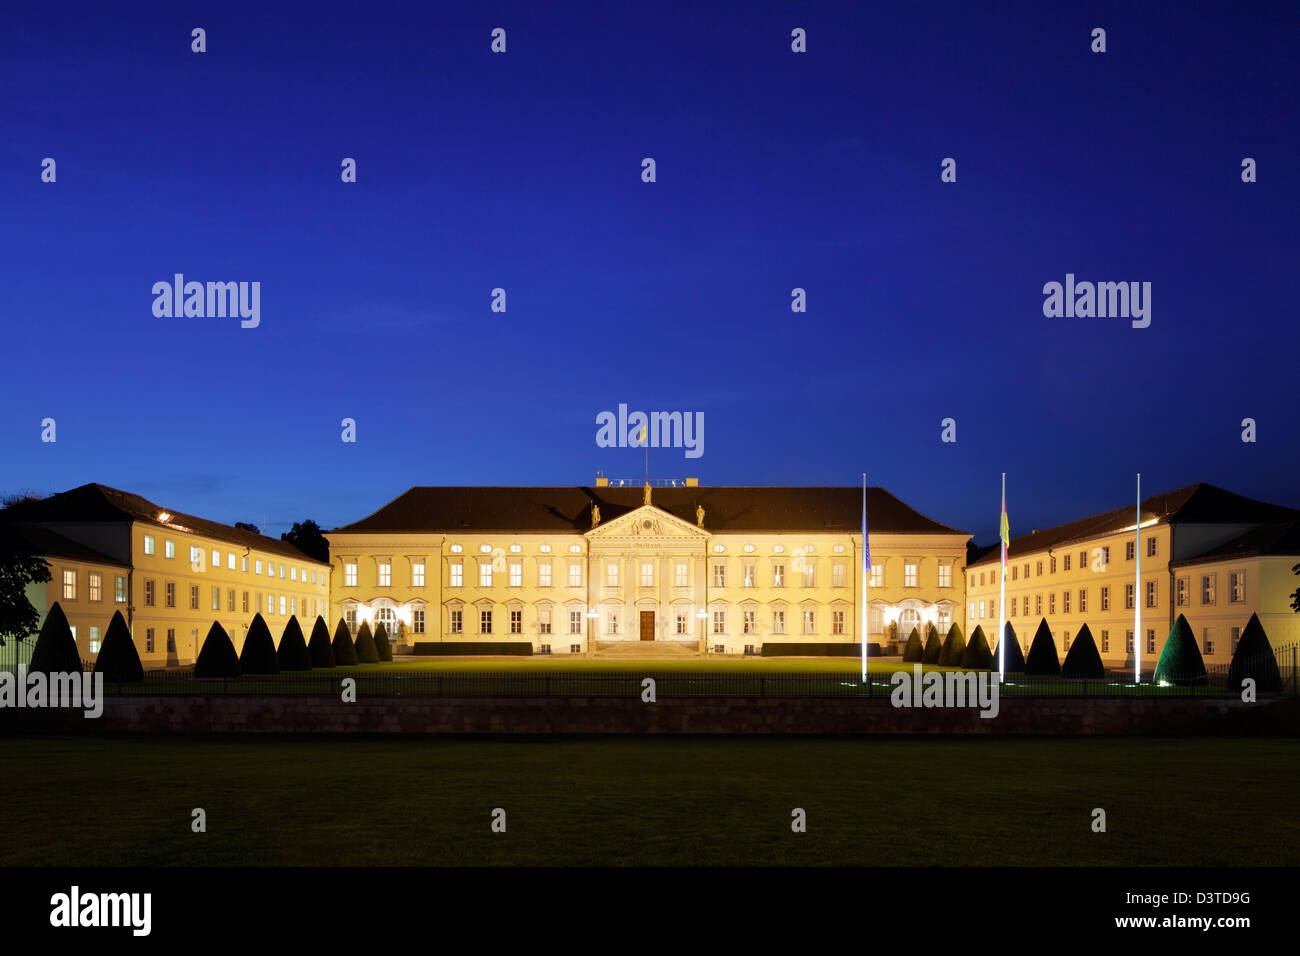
(576, 570)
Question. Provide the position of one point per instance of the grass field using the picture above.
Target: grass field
(649, 801)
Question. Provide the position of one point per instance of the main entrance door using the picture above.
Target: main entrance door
(647, 625)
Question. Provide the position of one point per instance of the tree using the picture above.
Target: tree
(1013, 656)
(18, 568)
(345, 652)
(1042, 659)
(914, 651)
(1180, 660)
(382, 645)
(318, 648)
(56, 649)
(292, 654)
(1254, 659)
(245, 526)
(118, 659)
(217, 658)
(954, 646)
(367, 652)
(1083, 659)
(258, 653)
(977, 656)
(933, 647)
(306, 537)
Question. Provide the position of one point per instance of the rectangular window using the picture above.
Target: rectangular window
(148, 640)
(719, 622)
(171, 640)
(257, 567)
(230, 600)
(810, 622)
(544, 620)
(148, 594)
(945, 574)
(1105, 561)
(516, 574)
(216, 560)
(1065, 640)
(148, 544)
(747, 622)
(1105, 641)
(778, 622)
(1067, 562)
(682, 575)
(1038, 571)
(349, 616)
(1065, 602)
(1207, 588)
(516, 622)
(1014, 575)
(349, 573)
(1128, 642)
(1038, 605)
(169, 548)
(417, 575)
(1051, 603)
(1151, 547)
(456, 574)
(1129, 550)
(1180, 592)
(119, 588)
(1151, 594)
(909, 574)
(1083, 560)
(485, 574)
(282, 572)
(647, 574)
(1052, 568)
(69, 585)
(1025, 602)
(809, 566)
(837, 622)
(457, 622)
(878, 575)
(243, 602)
(1105, 598)
(386, 574)
(1236, 638)
(1083, 600)
(749, 575)
(270, 604)
(981, 614)
(485, 622)
(611, 574)
(611, 622)
(544, 574)
(719, 575)
(575, 622)
(95, 586)
(681, 622)
(282, 602)
(417, 622)
(1151, 641)
(169, 594)
(216, 599)
(194, 597)
(293, 574)
(1236, 587)
(243, 565)
(575, 574)
(230, 560)
(778, 575)
(1207, 641)
(293, 606)
(1128, 597)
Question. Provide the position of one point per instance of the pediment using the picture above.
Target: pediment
(646, 521)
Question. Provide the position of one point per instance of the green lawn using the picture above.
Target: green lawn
(649, 801)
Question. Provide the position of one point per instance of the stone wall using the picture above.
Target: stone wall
(703, 715)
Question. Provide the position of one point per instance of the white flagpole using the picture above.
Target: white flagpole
(1002, 596)
(1137, 589)
(866, 576)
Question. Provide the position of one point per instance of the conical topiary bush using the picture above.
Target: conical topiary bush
(318, 648)
(367, 653)
(1254, 658)
(56, 649)
(954, 646)
(217, 658)
(1014, 660)
(1180, 661)
(977, 656)
(914, 651)
(345, 652)
(118, 659)
(382, 647)
(292, 653)
(1083, 659)
(1042, 659)
(258, 654)
(933, 647)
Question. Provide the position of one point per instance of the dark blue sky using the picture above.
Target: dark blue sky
(775, 170)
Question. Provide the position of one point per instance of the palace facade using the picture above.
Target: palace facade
(710, 569)
(1206, 553)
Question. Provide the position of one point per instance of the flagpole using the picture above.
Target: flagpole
(1002, 594)
(866, 576)
(1137, 588)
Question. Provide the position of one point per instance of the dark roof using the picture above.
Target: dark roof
(95, 502)
(35, 540)
(1195, 504)
(1281, 539)
(568, 510)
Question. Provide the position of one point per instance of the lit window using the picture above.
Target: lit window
(349, 574)
(119, 588)
(611, 621)
(93, 637)
(611, 574)
(169, 548)
(747, 623)
(945, 574)
(909, 574)
(485, 622)
(1083, 600)
(516, 622)
(485, 574)
(386, 574)
(778, 622)
(837, 622)
(417, 622)
(457, 622)
(683, 573)
(1236, 587)
(1151, 594)
(216, 599)
(719, 622)
(575, 622)
(837, 575)
(1065, 602)
(282, 572)
(96, 586)
(282, 603)
(575, 575)
(1207, 589)
(216, 560)
(681, 622)
(1105, 598)
(148, 544)
(417, 575)
(194, 597)
(457, 574)
(544, 575)
(878, 575)
(544, 620)
(719, 575)
(516, 574)
(778, 575)
(647, 574)
(809, 622)
(293, 574)
(1128, 597)
(69, 585)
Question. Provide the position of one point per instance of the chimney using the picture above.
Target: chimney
(692, 482)
(602, 482)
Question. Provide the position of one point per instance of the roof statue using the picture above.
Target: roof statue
(595, 515)
(699, 515)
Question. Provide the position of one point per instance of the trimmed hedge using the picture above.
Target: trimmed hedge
(292, 653)
(789, 649)
(56, 649)
(915, 649)
(345, 654)
(118, 659)
(367, 653)
(258, 653)
(954, 646)
(977, 656)
(217, 657)
(382, 646)
(933, 647)
(473, 648)
(1180, 661)
(1042, 659)
(1083, 660)
(318, 648)
(1015, 657)
(1254, 659)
